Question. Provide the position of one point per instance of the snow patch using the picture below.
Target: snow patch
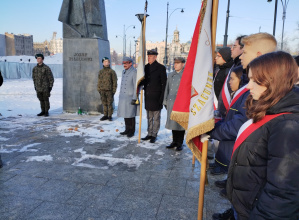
(40, 158)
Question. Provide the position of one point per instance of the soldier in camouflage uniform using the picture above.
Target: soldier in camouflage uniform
(107, 84)
(43, 82)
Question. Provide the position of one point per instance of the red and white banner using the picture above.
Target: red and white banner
(194, 104)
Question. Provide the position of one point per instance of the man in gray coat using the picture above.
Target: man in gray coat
(127, 93)
(171, 89)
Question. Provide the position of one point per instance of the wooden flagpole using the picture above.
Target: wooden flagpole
(143, 58)
(203, 169)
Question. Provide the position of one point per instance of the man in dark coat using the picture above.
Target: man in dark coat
(43, 83)
(172, 86)
(154, 86)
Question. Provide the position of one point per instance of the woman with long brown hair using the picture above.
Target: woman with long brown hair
(263, 173)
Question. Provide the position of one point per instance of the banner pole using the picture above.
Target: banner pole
(202, 180)
(193, 160)
(140, 117)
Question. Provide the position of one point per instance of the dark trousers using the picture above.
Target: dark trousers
(44, 100)
(130, 125)
(178, 136)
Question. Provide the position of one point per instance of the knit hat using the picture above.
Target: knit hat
(225, 53)
(105, 58)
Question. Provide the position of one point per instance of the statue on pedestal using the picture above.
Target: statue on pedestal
(83, 19)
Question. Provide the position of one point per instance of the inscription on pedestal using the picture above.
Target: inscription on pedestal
(80, 57)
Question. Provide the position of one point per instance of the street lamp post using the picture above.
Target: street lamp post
(226, 25)
(124, 38)
(284, 6)
(167, 19)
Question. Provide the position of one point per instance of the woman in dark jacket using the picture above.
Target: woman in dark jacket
(226, 130)
(263, 174)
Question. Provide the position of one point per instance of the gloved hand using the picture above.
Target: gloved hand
(165, 107)
(204, 137)
(133, 102)
(50, 89)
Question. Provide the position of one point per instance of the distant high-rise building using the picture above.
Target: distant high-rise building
(19, 44)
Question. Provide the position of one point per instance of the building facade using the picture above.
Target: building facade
(19, 44)
(41, 47)
(174, 49)
(56, 44)
(2, 45)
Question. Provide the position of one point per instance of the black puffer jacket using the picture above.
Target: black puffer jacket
(263, 176)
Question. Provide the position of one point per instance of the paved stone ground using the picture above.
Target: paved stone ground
(80, 180)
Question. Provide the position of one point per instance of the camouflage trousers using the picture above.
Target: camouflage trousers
(44, 100)
(107, 100)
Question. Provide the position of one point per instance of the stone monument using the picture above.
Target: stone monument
(85, 43)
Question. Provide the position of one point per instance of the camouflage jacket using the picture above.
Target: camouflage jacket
(42, 78)
(107, 80)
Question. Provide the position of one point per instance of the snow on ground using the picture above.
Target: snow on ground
(18, 99)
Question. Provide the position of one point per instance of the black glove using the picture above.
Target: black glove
(50, 89)
(165, 107)
(35, 88)
(133, 102)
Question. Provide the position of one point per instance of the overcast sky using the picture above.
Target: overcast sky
(39, 18)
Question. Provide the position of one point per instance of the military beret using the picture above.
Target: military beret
(39, 55)
(105, 58)
(152, 52)
(127, 59)
(179, 59)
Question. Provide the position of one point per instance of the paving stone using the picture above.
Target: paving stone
(57, 211)
(15, 207)
(93, 213)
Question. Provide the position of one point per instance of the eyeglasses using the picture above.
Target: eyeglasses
(126, 62)
(235, 46)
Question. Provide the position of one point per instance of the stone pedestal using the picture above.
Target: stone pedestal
(81, 65)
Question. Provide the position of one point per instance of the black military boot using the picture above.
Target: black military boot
(46, 114)
(179, 147)
(41, 114)
(105, 117)
(172, 145)
(110, 118)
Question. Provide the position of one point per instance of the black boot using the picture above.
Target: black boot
(110, 118)
(221, 183)
(41, 114)
(124, 132)
(46, 114)
(179, 147)
(147, 137)
(105, 117)
(172, 145)
(227, 215)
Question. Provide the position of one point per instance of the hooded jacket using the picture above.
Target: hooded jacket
(263, 173)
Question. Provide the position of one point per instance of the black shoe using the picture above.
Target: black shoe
(179, 147)
(221, 183)
(227, 215)
(213, 165)
(147, 137)
(130, 134)
(41, 114)
(223, 193)
(153, 140)
(110, 118)
(124, 132)
(218, 171)
(172, 145)
(46, 114)
(210, 157)
(104, 118)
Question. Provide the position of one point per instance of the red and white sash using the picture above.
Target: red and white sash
(225, 93)
(237, 95)
(248, 128)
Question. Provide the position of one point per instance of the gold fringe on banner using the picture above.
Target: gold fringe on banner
(196, 131)
(181, 118)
